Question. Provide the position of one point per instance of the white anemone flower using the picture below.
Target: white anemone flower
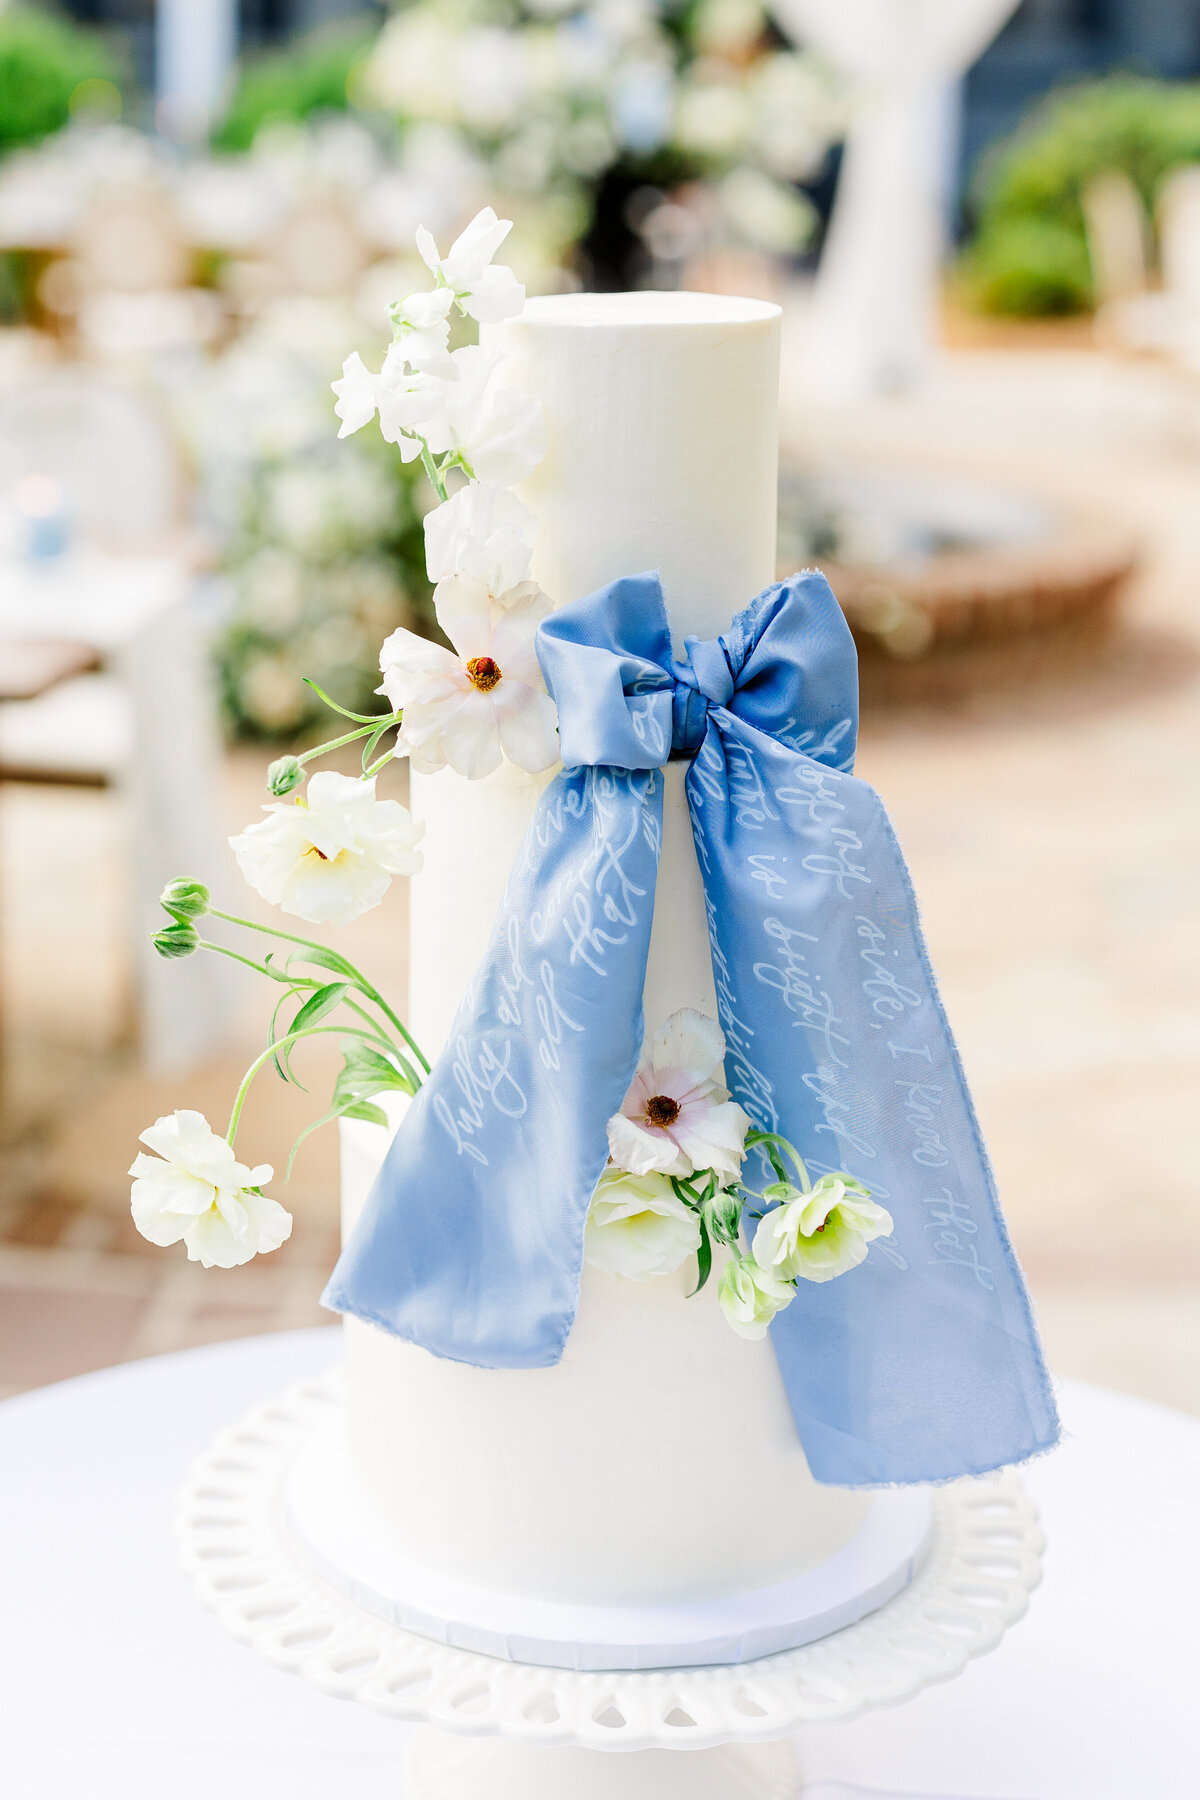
(677, 1116)
(498, 432)
(487, 293)
(195, 1189)
(483, 531)
(331, 854)
(423, 331)
(484, 700)
(404, 398)
(815, 1236)
(750, 1296)
(638, 1227)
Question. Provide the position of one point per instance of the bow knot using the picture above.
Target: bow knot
(702, 677)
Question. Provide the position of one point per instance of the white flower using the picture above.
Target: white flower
(483, 700)
(497, 431)
(482, 531)
(404, 398)
(487, 293)
(195, 1189)
(638, 1227)
(423, 331)
(677, 1116)
(330, 855)
(750, 1297)
(815, 1236)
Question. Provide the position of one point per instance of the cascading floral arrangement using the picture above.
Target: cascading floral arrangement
(673, 1187)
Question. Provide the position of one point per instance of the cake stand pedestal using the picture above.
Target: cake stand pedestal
(500, 1730)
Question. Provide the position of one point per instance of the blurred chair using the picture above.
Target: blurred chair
(146, 722)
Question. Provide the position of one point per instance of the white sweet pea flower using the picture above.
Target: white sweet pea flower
(638, 1227)
(194, 1188)
(815, 1236)
(486, 699)
(498, 432)
(677, 1116)
(750, 1296)
(329, 855)
(482, 531)
(404, 398)
(422, 326)
(486, 293)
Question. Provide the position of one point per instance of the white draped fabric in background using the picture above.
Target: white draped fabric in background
(874, 314)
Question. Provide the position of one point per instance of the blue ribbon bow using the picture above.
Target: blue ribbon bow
(923, 1362)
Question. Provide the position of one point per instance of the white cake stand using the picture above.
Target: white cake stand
(505, 1730)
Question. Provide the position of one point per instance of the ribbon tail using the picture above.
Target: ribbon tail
(923, 1363)
(471, 1241)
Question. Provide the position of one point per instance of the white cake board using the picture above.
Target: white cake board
(533, 1730)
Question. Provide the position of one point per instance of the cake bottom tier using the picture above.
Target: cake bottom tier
(337, 1534)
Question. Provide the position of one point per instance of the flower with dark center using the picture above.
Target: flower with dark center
(484, 673)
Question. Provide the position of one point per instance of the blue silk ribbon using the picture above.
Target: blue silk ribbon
(921, 1364)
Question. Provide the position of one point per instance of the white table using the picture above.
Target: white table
(114, 1685)
(164, 757)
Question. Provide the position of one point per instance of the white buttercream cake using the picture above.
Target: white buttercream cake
(658, 1462)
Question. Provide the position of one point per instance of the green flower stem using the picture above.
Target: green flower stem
(432, 471)
(360, 981)
(283, 1043)
(259, 968)
(350, 738)
(768, 1140)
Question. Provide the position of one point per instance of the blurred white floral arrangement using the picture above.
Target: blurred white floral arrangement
(330, 847)
(703, 102)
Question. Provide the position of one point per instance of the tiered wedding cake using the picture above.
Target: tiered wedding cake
(659, 1461)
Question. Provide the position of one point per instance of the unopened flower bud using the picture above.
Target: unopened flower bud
(180, 939)
(286, 773)
(185, 898)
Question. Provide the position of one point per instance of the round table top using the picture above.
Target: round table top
(116, 1683)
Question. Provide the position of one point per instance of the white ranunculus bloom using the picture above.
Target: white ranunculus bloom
(487, 293)
(750, 1296)
(422, 325)
(498, 431)
(329, 855)
(486, 699)
(815, 1236)
(404, 398)
(195, 1189)
(677, 1116)
(482, 531)
(638, 1227)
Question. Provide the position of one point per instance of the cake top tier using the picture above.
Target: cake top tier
(661, 417)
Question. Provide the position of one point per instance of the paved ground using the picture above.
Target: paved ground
(1047, 800)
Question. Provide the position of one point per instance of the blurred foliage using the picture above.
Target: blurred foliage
(1029, 253)
(48, 68)
(329, 559)
(310, 75)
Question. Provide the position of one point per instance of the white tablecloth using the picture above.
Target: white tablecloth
(135, 612)
(114, 1684)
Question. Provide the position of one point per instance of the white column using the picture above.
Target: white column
(195, 46)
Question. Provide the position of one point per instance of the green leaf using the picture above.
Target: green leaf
(359, 718)
(319, 1003)
(280, 1059)
(326, 959)
(703, 1254)
(365, 1072)
(363, 1109)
